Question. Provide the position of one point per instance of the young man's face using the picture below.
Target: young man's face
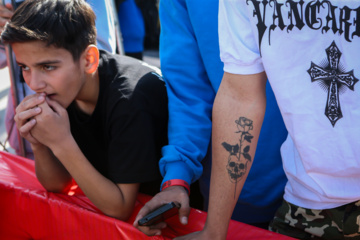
(50, 70)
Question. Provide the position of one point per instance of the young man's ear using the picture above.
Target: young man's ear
(91, 59)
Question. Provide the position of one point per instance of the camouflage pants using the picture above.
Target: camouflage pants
(337, 223)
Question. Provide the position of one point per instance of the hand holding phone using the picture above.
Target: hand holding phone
(160, 214)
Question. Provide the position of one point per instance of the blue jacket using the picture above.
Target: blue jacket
(132, 26)
(192, 69)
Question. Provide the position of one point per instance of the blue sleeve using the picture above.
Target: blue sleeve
(132, 26)
(190, 94)
(105, 25)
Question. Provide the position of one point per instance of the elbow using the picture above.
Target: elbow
(122, 214)
(56, 186)
(53, 182)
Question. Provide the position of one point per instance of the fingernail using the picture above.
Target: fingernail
(33, 121)
(184, 220)
(37, 110)
(41, 97)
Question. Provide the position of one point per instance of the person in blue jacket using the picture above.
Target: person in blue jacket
(192, 69)
(132, 28)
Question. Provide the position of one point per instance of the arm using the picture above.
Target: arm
(188, 86)
(190, 94)
(49, 171)
(238, 96)
(52, 128)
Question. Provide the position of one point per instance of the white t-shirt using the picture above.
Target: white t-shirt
(310, 54)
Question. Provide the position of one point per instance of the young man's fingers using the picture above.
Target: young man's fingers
(24, 116)
(56, 107)
(30, 102)
(25, 131)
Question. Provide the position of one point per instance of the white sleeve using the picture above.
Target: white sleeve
(239, 49)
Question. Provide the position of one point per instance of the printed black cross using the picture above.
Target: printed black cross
(333, 76)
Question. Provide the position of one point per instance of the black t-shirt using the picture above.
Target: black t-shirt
(123, 137)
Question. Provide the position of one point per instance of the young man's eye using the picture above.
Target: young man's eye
(48, 68)
(24, 68)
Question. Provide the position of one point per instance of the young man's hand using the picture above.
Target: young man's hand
(25, 115)
(52, 125)
(170, 194)
(6, 12)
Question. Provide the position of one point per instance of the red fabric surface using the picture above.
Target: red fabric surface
(27, 211)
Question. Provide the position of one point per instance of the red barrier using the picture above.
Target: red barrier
(28, 211)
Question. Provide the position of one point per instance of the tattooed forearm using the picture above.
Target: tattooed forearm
(239, 154)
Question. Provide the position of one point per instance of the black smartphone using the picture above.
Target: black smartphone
(160, 214)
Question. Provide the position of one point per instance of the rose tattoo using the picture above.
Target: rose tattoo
(239, 154)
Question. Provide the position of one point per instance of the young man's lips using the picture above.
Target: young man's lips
(50, 96)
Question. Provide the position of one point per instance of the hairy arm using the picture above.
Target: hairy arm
(238, 114)
(239, 96)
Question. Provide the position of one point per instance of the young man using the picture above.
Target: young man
(105, 39)
(96, 117)
(309, 52)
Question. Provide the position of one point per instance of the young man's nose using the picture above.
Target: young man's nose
(36, 83)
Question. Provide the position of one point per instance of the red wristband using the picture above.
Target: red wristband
(176, 182)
